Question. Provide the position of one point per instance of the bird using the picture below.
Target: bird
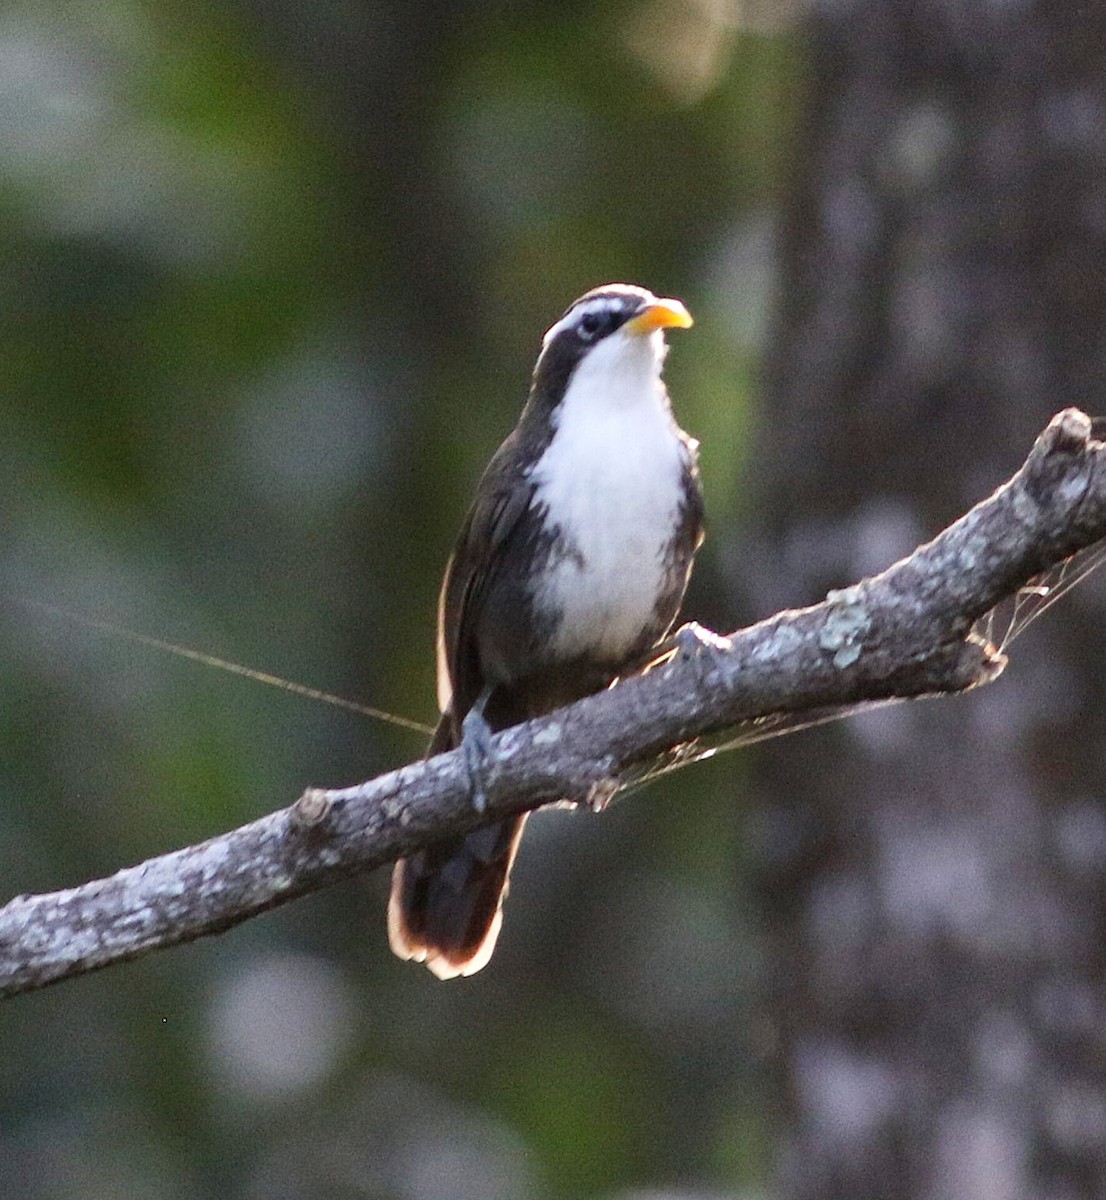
(570, 566)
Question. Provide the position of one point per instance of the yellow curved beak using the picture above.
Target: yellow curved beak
(661, 314)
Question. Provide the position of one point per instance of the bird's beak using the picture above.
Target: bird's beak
(661, 314)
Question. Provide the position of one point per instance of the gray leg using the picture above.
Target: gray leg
(476, 746)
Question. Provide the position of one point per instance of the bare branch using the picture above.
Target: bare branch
(903, 633)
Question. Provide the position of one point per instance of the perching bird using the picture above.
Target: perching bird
(570, 566)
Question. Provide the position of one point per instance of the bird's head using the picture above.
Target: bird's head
(617, 329)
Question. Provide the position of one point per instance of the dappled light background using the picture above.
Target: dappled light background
(272, 280)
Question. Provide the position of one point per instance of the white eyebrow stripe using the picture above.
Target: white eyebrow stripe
(559, 327)
(600, 304)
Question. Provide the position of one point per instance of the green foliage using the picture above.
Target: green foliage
(272, 282)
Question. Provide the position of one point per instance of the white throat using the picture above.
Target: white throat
(611, 479)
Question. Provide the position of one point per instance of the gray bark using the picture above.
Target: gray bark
(934, 879)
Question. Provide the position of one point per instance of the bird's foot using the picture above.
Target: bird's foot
(476, 747)
(691, 642)
(695, 643)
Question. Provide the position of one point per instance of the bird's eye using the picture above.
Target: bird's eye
(590, 325)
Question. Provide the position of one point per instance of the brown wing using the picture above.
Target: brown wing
(446, 902)
(502, 498)
(690, 534)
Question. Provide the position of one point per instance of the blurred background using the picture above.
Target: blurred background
(272, 280)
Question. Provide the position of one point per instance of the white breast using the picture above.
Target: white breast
(611, 479)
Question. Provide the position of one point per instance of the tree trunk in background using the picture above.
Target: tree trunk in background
(934, 872)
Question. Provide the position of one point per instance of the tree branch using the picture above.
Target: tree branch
(903, 633)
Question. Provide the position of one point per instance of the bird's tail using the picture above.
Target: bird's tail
(446, 905)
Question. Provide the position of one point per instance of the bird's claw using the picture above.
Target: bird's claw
(695, 643)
